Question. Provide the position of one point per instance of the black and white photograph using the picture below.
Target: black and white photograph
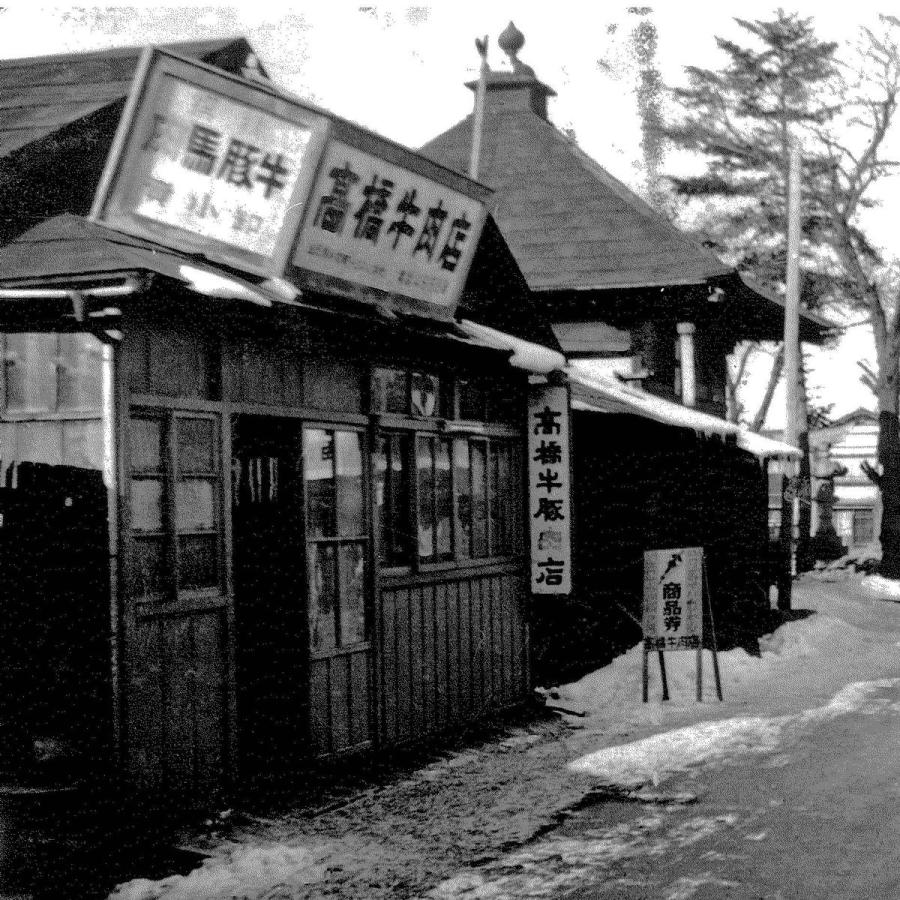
(449, 451)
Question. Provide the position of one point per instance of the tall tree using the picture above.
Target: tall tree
(854, 164)
(744, 118)
(840, 111)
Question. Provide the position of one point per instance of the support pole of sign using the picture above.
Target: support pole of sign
(699, 674)
(646, 674)
(662, 672)
(712, 632)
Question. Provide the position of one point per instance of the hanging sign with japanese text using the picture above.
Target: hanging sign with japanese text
(208, 163)
(380, 225)
(549, 502)
(673, 599)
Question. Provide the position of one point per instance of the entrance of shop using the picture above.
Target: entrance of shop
(270, 602)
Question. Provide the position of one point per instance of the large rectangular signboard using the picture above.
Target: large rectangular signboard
(374, 223)
(205, 162)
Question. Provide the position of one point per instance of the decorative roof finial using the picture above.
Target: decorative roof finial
(511, 42)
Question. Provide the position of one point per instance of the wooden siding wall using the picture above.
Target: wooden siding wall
(450, 651)
(447, 645)
(179, 704)
(340, 702)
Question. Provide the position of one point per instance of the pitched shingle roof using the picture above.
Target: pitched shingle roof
(569, 223)
(41, 95)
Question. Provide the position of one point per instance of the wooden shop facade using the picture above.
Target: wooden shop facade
(261, 494)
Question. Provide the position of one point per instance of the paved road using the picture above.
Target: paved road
(818, 817)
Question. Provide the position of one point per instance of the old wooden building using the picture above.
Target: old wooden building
(646, 317)
(262, 493)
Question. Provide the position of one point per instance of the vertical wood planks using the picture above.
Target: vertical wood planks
(339, 696)
(319, 707)
(146, 707)
(450, 651)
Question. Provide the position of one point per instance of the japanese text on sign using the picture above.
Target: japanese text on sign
(550, 511)
(376, 224)
(209, 164)
(219, 168)
(673, 599)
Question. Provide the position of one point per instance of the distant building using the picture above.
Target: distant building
(840, 487)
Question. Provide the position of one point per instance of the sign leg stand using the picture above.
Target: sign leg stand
(646, 675)
(662, 672)
(699, 675)
(712, 632)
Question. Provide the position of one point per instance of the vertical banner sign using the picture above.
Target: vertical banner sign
(549, 502)
(673, 599)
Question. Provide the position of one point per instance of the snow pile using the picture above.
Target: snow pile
(652, 758)
(881, 588)
(616, 688)
(245, 871)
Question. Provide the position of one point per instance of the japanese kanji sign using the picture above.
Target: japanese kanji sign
(212, 164)
(673, 599)
(549, 503)
(377, 224)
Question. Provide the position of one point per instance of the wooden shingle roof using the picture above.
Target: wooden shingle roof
(569, 223)
(40, 95)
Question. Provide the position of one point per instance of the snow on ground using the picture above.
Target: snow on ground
(435, 826)
(881, 588)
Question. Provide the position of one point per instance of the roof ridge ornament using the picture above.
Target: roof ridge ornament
(511, 41)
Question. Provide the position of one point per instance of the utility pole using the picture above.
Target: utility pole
(792, 425)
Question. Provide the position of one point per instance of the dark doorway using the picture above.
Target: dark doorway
(270, 604)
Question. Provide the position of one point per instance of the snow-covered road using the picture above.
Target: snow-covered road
(508, 819)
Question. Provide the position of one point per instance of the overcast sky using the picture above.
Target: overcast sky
(399, 69)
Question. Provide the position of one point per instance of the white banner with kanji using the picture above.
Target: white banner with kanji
(549, 495)
(673, 598)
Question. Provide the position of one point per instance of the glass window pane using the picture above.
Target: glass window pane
(31, 361)
(83, 444)
(80, 372)
(198, 560)
(146, 445)
(462, 475)
(149, 571)
(350, 518)
(506, 520)
(479, 499)
(351, 566)
(381, 494)
(322, 596)
(443, 500)
(494, 499)
(197, 445)
(424, 393)
(389, 392)
(146, 504)
(318, 468)
(40, 442)
(392, 499)
(195, 507)
(425, 475)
